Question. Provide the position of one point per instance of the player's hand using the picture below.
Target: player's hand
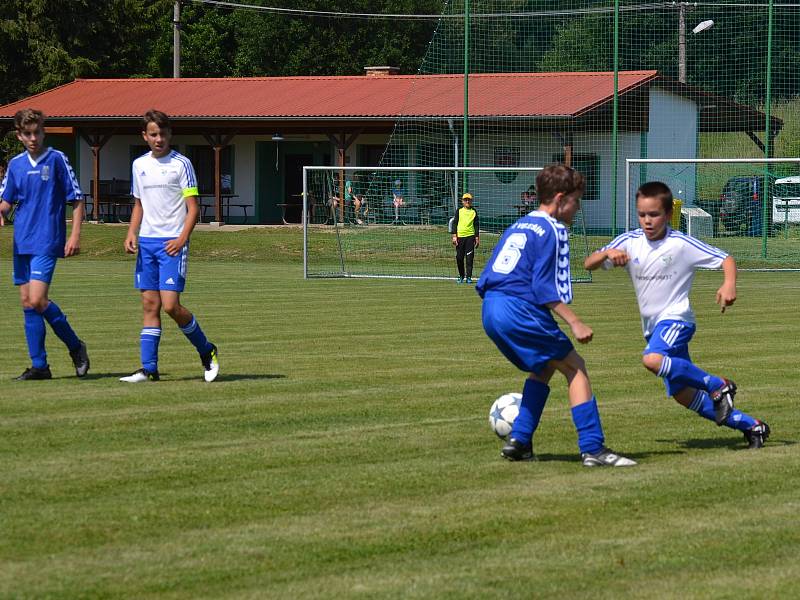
(130, 244)
(619, 258)
(173, 247)
(726, 296)
(72, 248)
(455, 240)
(582, 332)
(477, 241)
(2, 220)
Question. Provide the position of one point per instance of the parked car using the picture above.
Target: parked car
(741, 210)
(786, 201)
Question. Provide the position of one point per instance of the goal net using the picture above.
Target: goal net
(394, 221)
(749, 207)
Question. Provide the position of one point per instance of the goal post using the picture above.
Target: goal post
(749, 207)
(394, 221)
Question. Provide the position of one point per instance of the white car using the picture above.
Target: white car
(786, 201)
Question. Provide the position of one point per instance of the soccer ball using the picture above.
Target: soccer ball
(503, 412)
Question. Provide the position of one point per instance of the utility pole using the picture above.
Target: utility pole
(176, 40)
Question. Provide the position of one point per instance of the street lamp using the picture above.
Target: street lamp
(702, 26)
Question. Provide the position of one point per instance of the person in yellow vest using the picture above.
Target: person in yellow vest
(465, 237)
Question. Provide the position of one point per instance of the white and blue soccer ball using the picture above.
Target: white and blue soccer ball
(503, 412)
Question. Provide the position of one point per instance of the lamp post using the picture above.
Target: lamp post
(702, 26)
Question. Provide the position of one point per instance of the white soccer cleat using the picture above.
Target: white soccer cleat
(140, 376)
(210, 364)
(606, 458)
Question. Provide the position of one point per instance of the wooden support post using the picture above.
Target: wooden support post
(96, 141)
(218, 142)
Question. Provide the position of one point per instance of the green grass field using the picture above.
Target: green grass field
(345, 451)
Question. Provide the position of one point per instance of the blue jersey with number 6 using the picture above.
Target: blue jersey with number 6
(531, 261)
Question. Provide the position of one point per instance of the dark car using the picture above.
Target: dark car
(740, 205)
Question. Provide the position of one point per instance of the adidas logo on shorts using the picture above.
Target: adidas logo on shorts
(170, 281)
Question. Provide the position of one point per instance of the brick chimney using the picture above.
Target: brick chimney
(381, 71)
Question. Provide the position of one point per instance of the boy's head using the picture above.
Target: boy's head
(29, 124)
(466, 199)
(157, 132)
(558, 179)
(654, 209)
(559, 189)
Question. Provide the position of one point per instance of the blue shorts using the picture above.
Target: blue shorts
(33, 266)
(157, 270)
(671, 338)
(526, 334)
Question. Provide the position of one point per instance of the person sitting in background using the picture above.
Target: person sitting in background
(397, 201)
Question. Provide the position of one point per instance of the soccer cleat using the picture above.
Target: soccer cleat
(606, 458)
(460, 280)
(33, 373)
(141, 376)
(723, 401)
(80, 358)
(210, 364)
(757, 435)
(515, 450)
(469, 279)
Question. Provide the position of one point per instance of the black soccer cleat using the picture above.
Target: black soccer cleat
(723, 401)
(515, 450)
(606, 458)
(210, 364)
(33, 373)
(757, 435)
(80, 358)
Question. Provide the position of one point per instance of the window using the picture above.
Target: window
(202, 158)
(586, 164)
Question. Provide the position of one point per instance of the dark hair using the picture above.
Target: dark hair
(28, 116)
(155, 116)
(658, 190)
(558, 178)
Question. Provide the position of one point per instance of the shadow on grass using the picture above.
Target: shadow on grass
(735, 442)
(637, 456)
(165, 377)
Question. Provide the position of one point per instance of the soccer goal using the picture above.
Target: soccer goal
(749, 207)
(394, 221)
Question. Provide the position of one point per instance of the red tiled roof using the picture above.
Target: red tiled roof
(358, 97)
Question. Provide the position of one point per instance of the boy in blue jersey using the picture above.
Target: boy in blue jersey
(41, 183)
(661, 263)
(164, 188)
(526, 281)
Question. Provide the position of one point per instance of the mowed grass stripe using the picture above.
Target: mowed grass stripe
(345, 451)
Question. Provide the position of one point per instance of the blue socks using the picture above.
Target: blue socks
(686, 374)
(586, 418)
(195, 335)
(58, 321)
(704, 406)
(148, 348)
(534, 397)
(34, 334)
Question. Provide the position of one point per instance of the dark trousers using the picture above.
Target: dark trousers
(465, 252)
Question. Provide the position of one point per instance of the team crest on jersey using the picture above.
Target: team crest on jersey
(667, 260)
(45, 174)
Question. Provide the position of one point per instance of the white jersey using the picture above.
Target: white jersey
(162, 184)
(662, 272)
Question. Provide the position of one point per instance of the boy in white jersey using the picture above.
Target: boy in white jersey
(661, 263)
(165, 211)
(41, 182)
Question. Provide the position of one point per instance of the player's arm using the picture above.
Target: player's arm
(4, 208)
(477, 230)
(73, 246)
(172, 247)
(726, 294)
(582, 332)
(133, 227)
(455, 229)
(609, 258)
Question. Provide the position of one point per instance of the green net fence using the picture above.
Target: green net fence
(594, 83)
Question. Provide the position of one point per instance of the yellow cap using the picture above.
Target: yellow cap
(467, 196)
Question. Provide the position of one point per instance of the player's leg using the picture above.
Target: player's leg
(667, 355)
(146, 280)
(189, 326)
(755, 431)
(42, 269)
(534, 398)
(469, 253)
(586, 415)
(460, 252)
(35, 330)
